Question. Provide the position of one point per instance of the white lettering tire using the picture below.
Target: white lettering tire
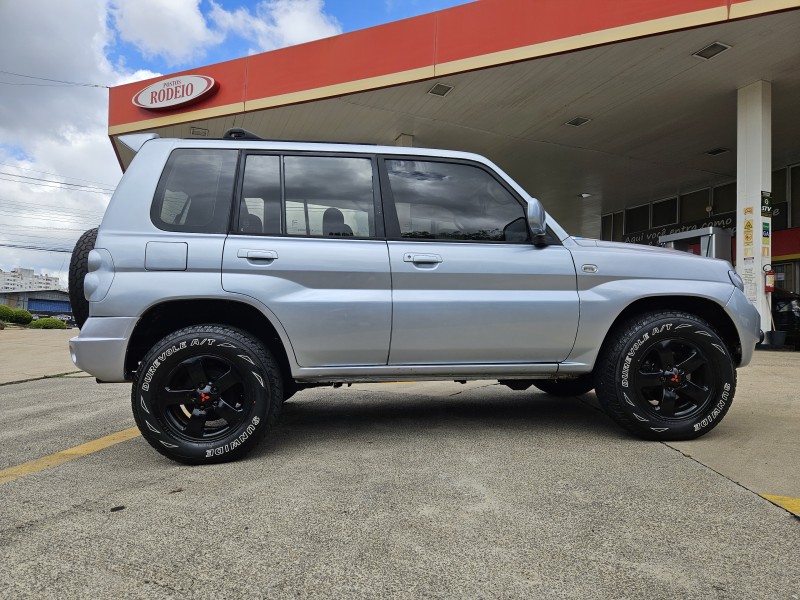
(665, 376)
(206, 394)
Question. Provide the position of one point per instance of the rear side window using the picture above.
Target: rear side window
(329, 196)
(322, 196)
(195, 191)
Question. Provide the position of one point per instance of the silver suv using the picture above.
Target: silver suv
(229, 274)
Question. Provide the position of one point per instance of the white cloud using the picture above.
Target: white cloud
(175, 30)
(277, 23)
(48, 130)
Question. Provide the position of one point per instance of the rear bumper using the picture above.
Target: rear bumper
(101, 347)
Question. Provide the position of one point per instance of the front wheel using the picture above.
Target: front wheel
(666, 376)
(206, 394)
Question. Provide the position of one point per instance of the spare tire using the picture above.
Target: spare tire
(78, 267)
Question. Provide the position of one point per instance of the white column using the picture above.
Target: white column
(754, 176)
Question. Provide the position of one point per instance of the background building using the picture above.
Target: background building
(18, 280)
(38, 294)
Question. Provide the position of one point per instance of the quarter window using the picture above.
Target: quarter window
(195, 191)
(449, 201)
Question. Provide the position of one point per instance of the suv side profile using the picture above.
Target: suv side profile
(229, 274)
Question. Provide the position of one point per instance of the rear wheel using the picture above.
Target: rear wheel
(566, 387)
(206, 394)
(78, 268)
(666, 376)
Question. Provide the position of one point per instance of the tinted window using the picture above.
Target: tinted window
(693, 205)
(195, 191)
(637, 219)
(665, 212)
(329, 196)
(260, 209)
(446, 201)
(725, 198)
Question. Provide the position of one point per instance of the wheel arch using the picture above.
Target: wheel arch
(171, 315)
(704, 308)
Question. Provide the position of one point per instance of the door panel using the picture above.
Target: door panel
(332, 296)
(481, 303)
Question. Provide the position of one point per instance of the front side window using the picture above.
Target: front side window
(453, 201)
(195, 191)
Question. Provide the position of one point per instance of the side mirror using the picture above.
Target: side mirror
(537, 222)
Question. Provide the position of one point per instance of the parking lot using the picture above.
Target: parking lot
(403, 490)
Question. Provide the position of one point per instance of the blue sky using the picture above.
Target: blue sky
(350, 15)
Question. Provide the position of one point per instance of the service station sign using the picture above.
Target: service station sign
(175, 92)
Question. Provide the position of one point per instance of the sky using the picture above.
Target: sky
(57, 60)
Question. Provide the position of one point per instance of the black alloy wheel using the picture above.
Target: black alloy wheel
(203, 399)
(675, 380)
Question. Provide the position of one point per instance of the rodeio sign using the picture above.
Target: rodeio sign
(175, 92)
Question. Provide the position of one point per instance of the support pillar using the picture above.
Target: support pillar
(753, 180)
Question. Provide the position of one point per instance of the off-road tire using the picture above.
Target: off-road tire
(78, 267)
(665, 375)
(201, 424)
(563, 388)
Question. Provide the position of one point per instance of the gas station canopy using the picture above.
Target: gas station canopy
(592, 107)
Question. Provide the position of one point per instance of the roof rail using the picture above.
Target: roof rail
(237, 133)
(242, 134)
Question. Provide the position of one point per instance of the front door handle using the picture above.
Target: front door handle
(422, 259)
(258, 256)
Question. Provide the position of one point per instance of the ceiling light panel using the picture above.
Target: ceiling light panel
(711, 50)
(578, 121)
(440, 89)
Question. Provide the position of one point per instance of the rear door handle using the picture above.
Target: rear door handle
(422, 259)
(258, 256)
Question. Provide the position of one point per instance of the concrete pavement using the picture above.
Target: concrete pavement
(756, 445)
(380, 491)
(32, 353)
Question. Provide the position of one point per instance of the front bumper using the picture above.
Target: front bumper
(748, 323)
(101, 347)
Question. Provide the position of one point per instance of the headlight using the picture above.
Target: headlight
(736, 280)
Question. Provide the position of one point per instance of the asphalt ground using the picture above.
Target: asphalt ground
(427, 490)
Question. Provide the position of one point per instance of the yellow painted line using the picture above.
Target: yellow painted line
(59, 458)
(786, 502)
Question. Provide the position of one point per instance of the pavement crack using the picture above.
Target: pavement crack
(713, 470)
